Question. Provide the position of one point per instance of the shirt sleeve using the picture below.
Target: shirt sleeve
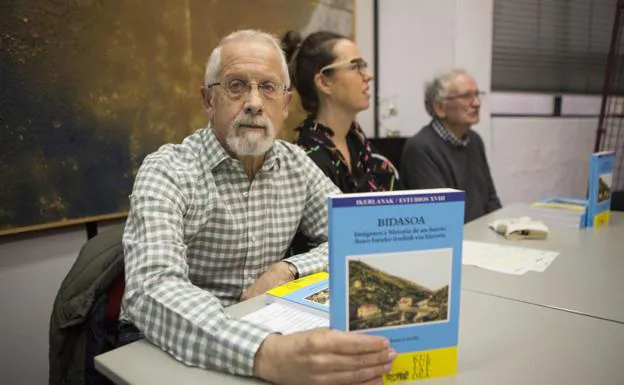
(314, 220)
(184, 320)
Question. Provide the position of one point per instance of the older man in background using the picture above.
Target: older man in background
(211, 220)
(447, 152)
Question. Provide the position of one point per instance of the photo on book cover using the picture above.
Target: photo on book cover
(400, 289)
(321, 297)
(604, 186)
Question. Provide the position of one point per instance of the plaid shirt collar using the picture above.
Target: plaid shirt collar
(447, 135)
(215, 154)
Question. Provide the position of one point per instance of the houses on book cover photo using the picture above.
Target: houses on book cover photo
(604, 187)
(321, 297)
(390, 290)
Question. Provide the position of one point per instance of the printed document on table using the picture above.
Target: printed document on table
(506, 259)
(286, 319)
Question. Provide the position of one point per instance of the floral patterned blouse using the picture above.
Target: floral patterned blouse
(368, 173)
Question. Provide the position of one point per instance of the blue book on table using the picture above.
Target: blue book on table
(600, 185)
(309, 293)
(395, 261)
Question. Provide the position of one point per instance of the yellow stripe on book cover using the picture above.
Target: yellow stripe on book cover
(562, 206)
(602, 219)
(414, 366)
(297, 284)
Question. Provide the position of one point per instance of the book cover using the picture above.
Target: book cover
(395, 271)
(600, 182)
(309, 293)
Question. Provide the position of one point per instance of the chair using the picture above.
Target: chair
(617, 201)
(382, 158)
(84, 317)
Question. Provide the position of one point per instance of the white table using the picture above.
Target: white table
(501, 342)
(586, 278)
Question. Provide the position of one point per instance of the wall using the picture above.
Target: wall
(31, 271)
(536, 157)
(364, 15)
(530, 157)
(32, 268)
(473, 52)
(418, 39)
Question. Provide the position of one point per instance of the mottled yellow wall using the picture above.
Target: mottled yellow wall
(88, 88)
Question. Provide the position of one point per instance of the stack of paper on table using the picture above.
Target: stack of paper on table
(560, 211)
(506, 259)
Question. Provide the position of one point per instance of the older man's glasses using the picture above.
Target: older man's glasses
(358, 64)
(467, 97)
(236, 89)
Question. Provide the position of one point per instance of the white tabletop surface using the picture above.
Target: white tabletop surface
(501, 342)
(587, 277)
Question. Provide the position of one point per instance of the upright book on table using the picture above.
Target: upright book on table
(395, 271)
(600, 184)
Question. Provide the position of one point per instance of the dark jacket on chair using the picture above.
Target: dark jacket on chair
(78, 321)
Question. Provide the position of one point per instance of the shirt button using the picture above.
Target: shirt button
(253, 238)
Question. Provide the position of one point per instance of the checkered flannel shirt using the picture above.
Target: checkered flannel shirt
(198, 233)
(447, 135)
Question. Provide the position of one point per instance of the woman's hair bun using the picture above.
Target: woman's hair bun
(290, 43)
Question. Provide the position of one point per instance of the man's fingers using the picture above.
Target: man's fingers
(353, 343)
(341, 362)
(373, 381)
(367, 376)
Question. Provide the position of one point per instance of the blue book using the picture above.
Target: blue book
(309, 293)
(395, 261)
(600, 183)
(567, 203)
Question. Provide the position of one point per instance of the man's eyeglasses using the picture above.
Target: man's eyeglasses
(358, 64)
(467, 96)
(237, 88)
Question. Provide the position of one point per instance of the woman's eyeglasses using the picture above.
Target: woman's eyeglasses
(357, 64)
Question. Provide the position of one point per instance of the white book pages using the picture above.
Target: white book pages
(286, 319)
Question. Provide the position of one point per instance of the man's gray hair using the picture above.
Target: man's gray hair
(213, 66)
(437, 89)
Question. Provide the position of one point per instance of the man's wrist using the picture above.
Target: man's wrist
(292, 269)
(264, 359)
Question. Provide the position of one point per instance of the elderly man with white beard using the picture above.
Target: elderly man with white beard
(211, 220)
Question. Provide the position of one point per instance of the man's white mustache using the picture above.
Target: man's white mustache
(250, 121)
